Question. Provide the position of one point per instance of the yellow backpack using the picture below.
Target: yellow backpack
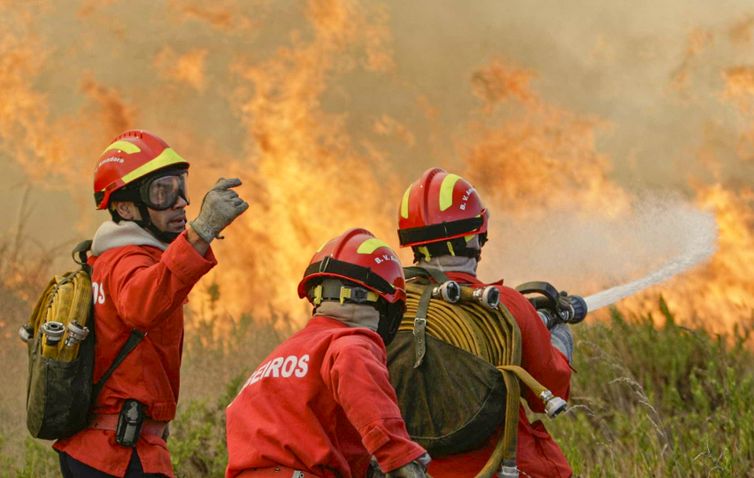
(60, 339)
(61, 354)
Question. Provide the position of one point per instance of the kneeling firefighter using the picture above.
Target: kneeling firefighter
(465, 346)
(321, 404)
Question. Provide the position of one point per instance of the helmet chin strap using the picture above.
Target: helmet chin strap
(146, 223)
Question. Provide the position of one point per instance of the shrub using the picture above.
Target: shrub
(665, 400)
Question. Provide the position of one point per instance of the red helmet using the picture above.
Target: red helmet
(359, 257)
(132, 155)
(440, 206)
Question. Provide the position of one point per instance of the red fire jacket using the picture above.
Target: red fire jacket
(145, 288)
(537, 453)
(321, 403)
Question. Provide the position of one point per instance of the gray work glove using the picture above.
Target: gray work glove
(409, 470)
(220, 207)
(562, 339)
(415, 469)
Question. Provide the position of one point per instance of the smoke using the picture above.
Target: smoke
(587, 253)
(327, 109)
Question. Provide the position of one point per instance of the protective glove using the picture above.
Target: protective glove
(415, 469)
(409, 470)
(220, 207)
(562, 339)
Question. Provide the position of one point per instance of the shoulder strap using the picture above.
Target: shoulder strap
(133, 340)
(420, 326)
(79, 254)
(417, 271)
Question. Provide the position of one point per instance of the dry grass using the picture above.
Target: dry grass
(663, 401)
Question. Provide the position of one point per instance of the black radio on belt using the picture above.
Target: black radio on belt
(130, 420)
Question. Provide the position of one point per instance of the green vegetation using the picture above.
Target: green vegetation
(660, 401)
(647, 400)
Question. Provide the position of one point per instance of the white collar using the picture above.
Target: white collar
(125, 233)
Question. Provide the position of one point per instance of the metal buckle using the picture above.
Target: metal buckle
(359, 295)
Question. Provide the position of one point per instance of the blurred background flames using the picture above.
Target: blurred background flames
(601, 138)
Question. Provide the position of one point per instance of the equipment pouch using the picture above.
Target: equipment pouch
(130, 419)
(453, 402)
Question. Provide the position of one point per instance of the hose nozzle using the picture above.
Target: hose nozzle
(577, 309)
(553, 306)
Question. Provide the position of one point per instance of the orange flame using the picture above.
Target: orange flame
(311, 181)
(275, 111)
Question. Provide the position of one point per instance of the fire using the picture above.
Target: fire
(23, 110)
(246, 92)
(533, 155)
(311, 180)
(539, 165)
(718, 294)
(188, 68)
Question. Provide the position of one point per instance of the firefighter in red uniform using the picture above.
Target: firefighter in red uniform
(444, 221)
(144, 263)
(321, 404)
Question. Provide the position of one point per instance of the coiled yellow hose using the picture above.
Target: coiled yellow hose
(490, 334)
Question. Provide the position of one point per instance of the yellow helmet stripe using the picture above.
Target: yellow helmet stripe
(126, 146)
(446, 191)
(166, 158)
(371, 245)
(404, 203)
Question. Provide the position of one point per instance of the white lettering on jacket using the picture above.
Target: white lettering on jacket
(281, 367)
(98, 293)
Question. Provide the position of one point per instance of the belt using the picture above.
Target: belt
(110, 422)
(274, 472)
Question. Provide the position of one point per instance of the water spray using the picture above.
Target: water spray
(702, 244)
(695, 230)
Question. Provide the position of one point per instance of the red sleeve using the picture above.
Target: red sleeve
(146, 291)
(538, 356)
(357, 376)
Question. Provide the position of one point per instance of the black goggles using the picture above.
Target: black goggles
(162, 192)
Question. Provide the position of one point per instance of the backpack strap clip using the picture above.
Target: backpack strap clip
(420, 327)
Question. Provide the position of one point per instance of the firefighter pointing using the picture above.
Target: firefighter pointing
(145, 261)
(321, 404)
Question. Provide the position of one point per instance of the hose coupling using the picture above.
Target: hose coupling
(489, 296)
(508, 469)
(449, 291)
(26, 333)
(554, 406)
(76, 333)
(53, 332)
